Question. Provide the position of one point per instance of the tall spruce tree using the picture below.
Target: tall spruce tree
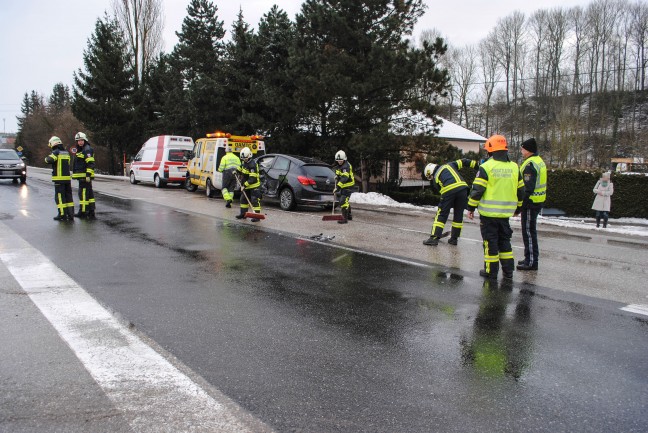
(240, 70)
(102, 94)
(357, 72)
(273, 87)
(60, 99)
(198, 57)
(165, 99)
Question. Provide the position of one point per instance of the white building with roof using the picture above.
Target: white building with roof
(456, 135)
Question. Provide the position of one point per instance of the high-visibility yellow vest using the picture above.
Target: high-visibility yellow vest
(540, 189)
(500, 198)
(229, 161)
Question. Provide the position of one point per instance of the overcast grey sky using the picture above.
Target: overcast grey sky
(42, 41)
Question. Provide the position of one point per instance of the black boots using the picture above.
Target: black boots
(432, 240)
(241, 215)
(345, 216)
(453, 241)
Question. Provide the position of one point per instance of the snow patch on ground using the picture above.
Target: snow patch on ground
(625, 226)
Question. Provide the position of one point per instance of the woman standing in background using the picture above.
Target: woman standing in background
(603, 201)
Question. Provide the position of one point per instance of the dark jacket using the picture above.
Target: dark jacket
(59, 159)
(446, 177)
(84, 162)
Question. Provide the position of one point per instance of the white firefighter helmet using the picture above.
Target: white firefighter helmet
(246, 153)
(340, 156)
(80, 136)
(429, 170)
(54, 141)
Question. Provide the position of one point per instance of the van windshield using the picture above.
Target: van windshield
(178, 155)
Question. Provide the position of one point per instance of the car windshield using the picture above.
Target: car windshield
(8, 154)
(178, 155)
(318, 170)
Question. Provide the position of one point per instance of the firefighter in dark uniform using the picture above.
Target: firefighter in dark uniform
(59, 159)
(498, 191)
(83, 171)
(344, 183)
(454, 195)
(534, 173)
(248, 176)
(228, 166)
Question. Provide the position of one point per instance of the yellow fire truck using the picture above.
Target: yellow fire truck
(202, 167)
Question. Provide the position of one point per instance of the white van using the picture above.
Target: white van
(161, 160)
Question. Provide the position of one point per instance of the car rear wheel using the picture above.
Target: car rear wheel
(209, 189)
(159, 183)
(190, 186)
(287, 199)
(132, 178)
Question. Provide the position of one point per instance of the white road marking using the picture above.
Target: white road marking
(152, 394)
(636, 308)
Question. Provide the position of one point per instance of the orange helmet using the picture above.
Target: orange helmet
(495, 143)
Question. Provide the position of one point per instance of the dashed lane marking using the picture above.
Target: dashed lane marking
(636, 308)
(152, 394)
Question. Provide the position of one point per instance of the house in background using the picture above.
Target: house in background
(456, 135)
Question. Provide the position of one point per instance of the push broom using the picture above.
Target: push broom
(259, 215)
(333, 216)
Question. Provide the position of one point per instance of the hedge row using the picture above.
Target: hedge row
(568, 190)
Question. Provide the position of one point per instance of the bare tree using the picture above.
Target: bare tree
(579, 30)
(490, 74)
(639, 38)
(142, 22)
(463, 71)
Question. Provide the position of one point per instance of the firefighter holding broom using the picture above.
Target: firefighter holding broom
(344, 185)
(250, 184)
(454, 195)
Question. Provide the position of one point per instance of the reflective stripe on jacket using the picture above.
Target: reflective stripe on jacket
(250, 172)
(344, 174)
(447, 177)
(60, 162)
(228, 162)
(84, 163)
(502, 188)
(539, 194)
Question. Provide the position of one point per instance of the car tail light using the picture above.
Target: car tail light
(306, 180)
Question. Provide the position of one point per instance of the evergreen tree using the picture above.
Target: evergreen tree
(102, 94)
(273, 87)
(357, 73)
(198, 57)
(240, 71)
(59, 100)
(165, 100)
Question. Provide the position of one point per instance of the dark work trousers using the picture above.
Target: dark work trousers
(63, 198)
(496, 233)
(456, 200)
(254, 195)
(529, 218)
(86, 197)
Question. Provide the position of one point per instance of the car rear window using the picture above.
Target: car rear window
(8, 154)
(318, 170)
(178, 155)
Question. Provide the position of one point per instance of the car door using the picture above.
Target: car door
(278, 173)
(268, 183)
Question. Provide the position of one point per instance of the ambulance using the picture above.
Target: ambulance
(161, 160)
(202, 168)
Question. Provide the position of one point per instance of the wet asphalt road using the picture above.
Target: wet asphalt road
(310, 337)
